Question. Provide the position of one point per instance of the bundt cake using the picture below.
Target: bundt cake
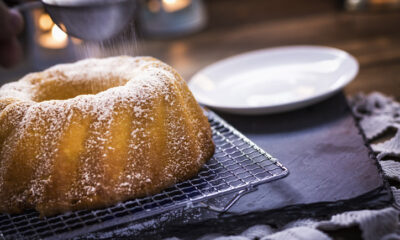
(95, 132)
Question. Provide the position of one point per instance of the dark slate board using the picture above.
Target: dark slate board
(321, 146)
(331, 171)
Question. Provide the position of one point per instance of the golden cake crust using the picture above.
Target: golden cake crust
(96, 132)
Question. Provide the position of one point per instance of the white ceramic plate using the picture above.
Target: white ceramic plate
(274, 80)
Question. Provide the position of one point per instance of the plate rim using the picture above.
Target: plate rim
(282, 107)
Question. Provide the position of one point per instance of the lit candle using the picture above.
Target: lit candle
(175, 5)
(45, 23)
(55, 39)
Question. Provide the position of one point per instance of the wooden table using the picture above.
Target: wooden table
(372, 37)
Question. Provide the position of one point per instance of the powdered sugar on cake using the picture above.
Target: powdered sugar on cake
(91, 133)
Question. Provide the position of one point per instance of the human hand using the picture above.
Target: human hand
(11, 24)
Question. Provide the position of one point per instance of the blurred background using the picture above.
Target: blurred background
(191, 34)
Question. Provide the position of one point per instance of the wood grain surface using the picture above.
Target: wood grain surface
(372, 37)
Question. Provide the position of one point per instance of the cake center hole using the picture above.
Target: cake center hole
(62, 89)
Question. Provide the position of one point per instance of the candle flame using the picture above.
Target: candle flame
(50, 36)
(45, 22)
(56, 39)
(175, 5)
(58, 34)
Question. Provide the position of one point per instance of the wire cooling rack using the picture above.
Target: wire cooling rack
(237, 166)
